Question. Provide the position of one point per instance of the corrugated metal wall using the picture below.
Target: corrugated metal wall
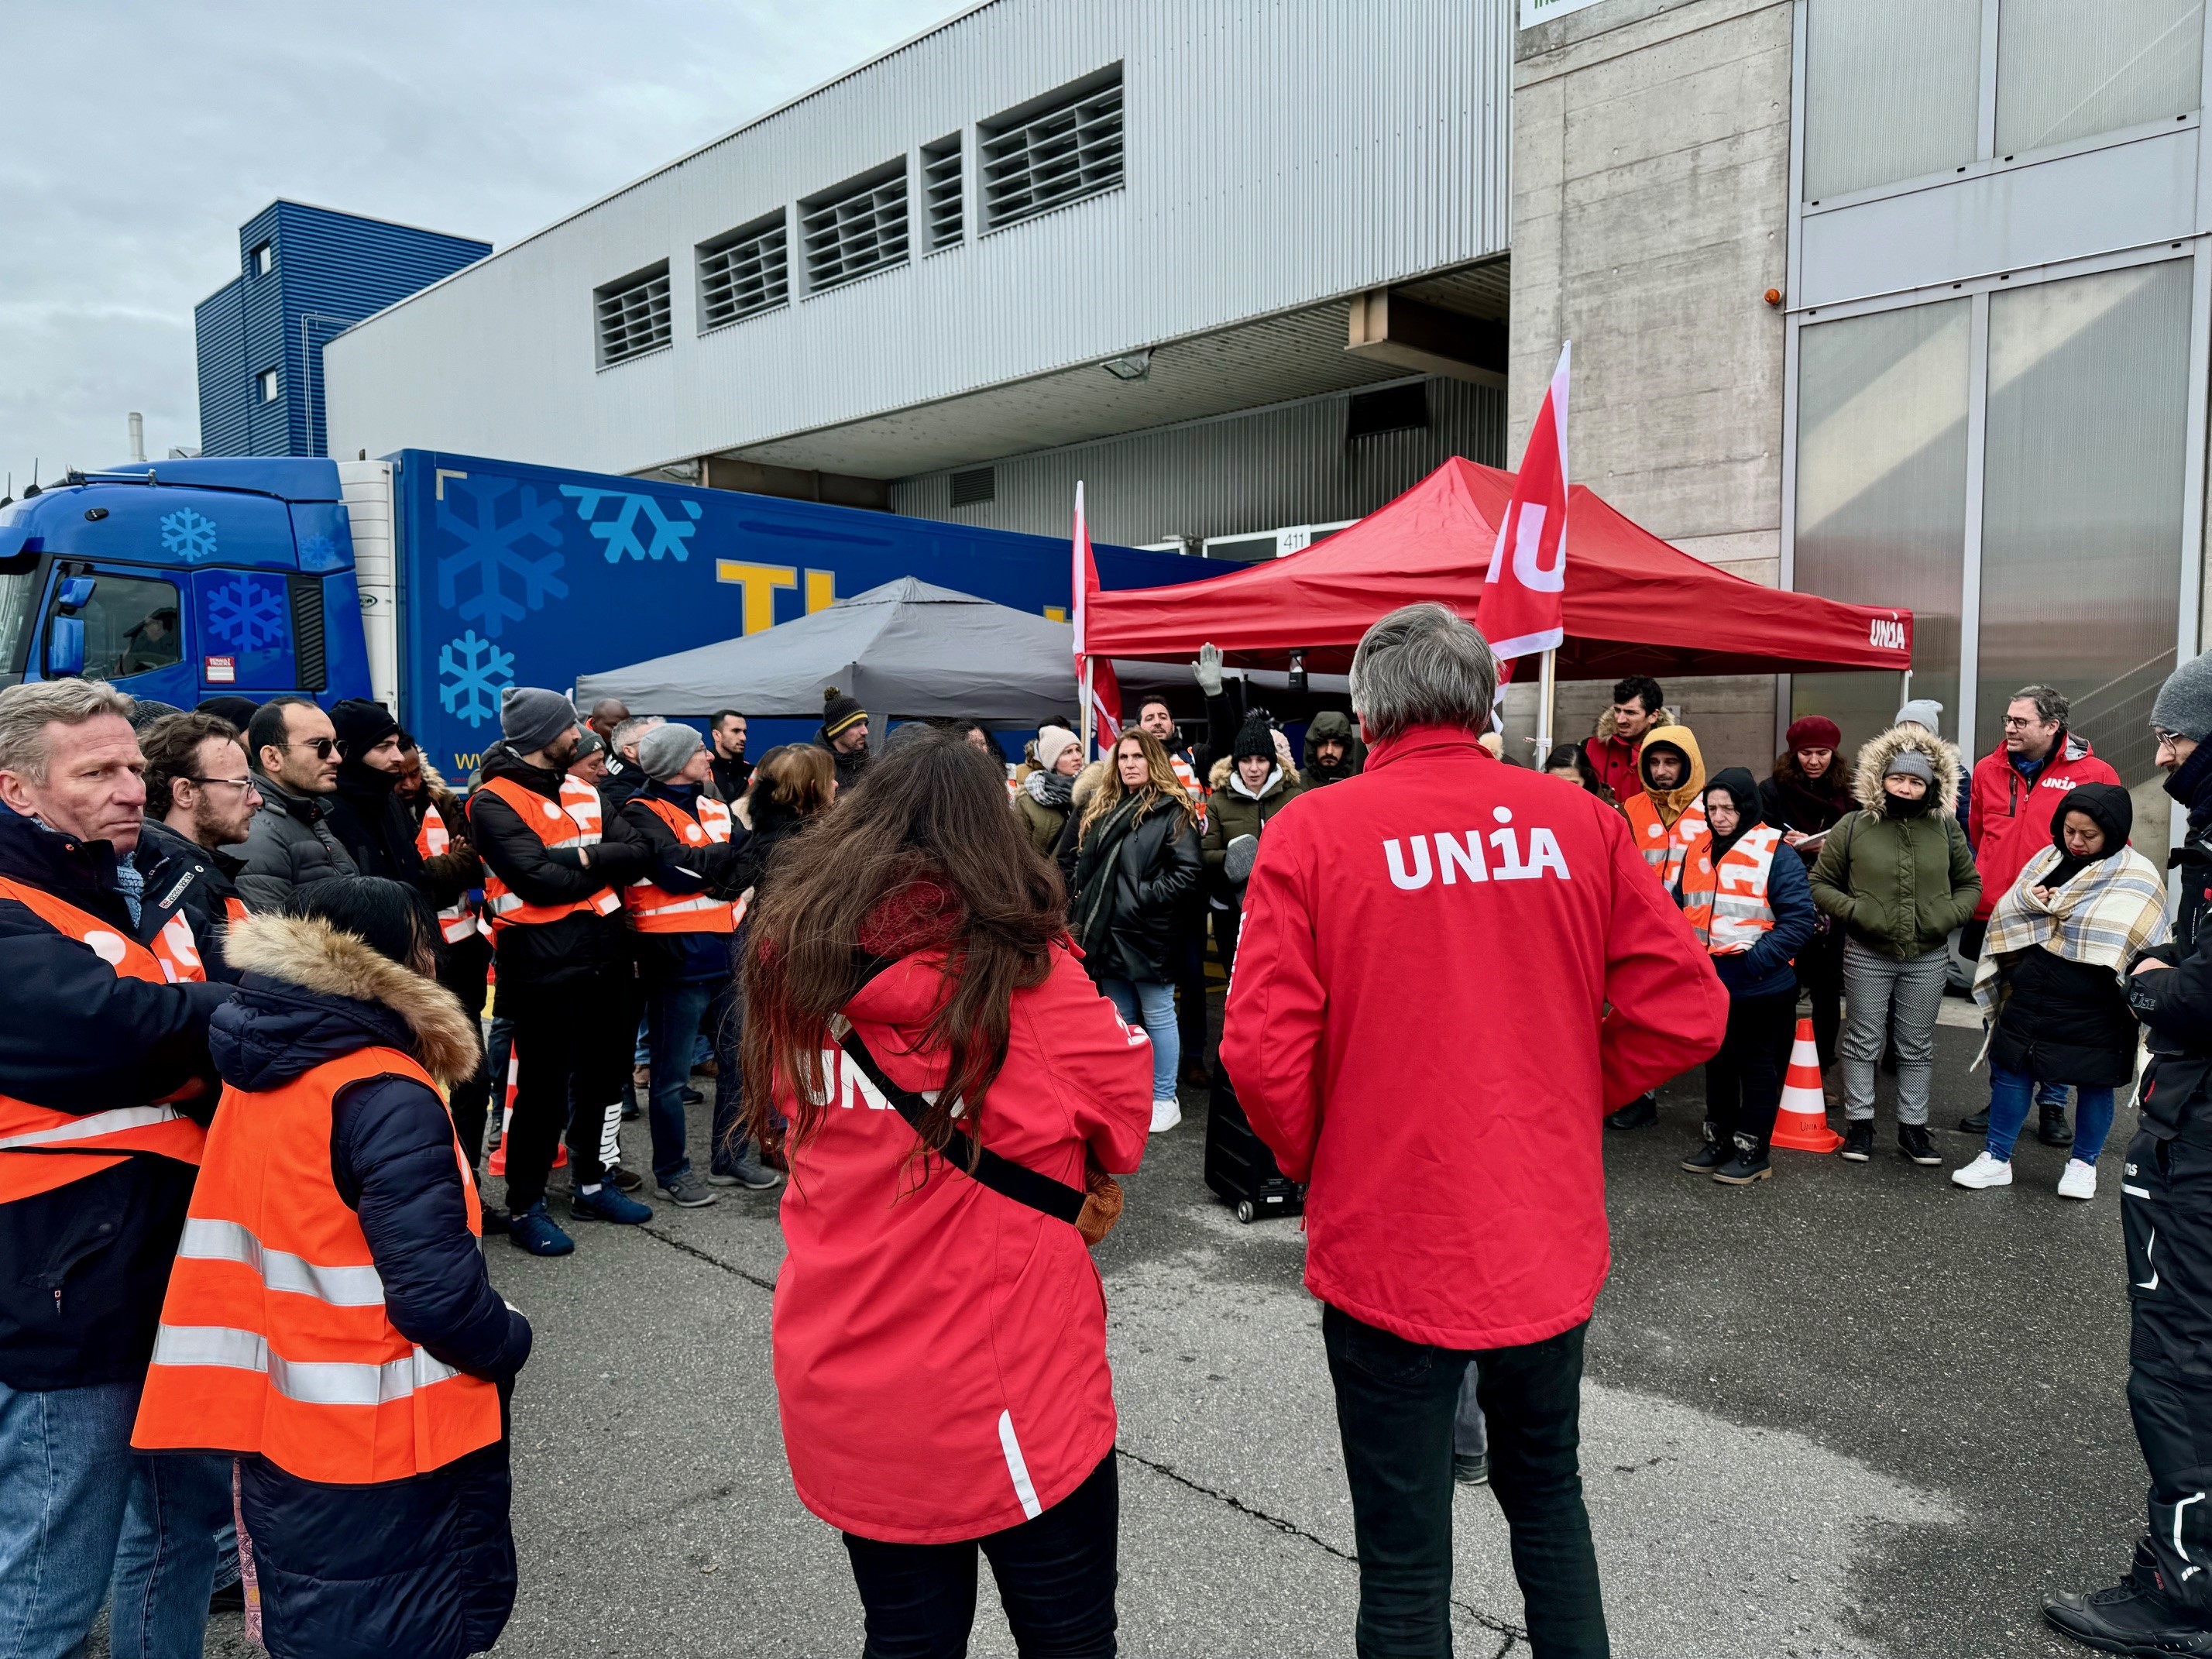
(1278, 151)
(329, 269)
(1288, 466)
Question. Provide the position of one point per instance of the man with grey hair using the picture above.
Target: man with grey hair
(1450, 970)
(625, 777)
(105, 1089)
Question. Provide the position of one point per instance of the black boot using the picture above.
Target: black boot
(1975, 1123)
(2131, 1617)
(1712, 1153)
(1748, 1164)
(2053, 1130)
(1640, 1113)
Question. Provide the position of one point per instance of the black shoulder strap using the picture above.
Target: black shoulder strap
(1001, 1175)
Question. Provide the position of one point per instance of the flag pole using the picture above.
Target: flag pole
(1547, 694)
(1087, 704)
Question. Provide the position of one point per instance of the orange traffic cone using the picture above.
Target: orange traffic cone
(1802, 1123)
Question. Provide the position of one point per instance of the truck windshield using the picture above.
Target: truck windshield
(19, 597)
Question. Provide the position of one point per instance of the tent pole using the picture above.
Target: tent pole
(1547, 693)
(1086, 710)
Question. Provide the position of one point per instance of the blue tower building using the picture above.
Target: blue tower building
(304, 274)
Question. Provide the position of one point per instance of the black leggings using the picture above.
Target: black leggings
(1056, 1576)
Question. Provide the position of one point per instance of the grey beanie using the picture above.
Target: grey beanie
(2185, 701)
(1910, 763)
(530, 717)
(1920, 711)
(666, 750)
(589, 744)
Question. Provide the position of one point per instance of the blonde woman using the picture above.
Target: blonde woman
(1130, 855)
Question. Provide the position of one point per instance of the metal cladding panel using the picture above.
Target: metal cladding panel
(1252, 472)
(219, 341)
(1275, 153)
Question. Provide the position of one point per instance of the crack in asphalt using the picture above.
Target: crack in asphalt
(710, 1258)
(1513, 1633)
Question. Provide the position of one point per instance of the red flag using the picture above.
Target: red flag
(1105, 689)
(1523, 611)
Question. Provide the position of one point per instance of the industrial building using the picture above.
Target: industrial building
(305, 275)
(1907, 302)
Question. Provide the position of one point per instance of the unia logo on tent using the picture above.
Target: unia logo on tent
(1885, 633)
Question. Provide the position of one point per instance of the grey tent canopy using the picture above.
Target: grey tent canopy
(907, 650)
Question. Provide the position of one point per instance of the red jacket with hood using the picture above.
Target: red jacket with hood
(940, 1351)
(1434, 1050)
(2008, 818)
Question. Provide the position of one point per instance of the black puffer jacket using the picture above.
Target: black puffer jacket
(423, 1566)
(374, 825)
(290, 844)
(2065, 1022)
(83, 1266)
(1134, 929)
(578, 947)
(685, 869)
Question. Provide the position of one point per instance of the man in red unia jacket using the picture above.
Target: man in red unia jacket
(1450, 970)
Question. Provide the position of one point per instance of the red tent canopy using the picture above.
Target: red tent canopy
(1634, 605)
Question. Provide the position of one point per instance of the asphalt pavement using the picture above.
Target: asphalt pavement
(1850, 1411)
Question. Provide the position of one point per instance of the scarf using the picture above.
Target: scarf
(2107, 915)
(1050, 789)
(1094, 863)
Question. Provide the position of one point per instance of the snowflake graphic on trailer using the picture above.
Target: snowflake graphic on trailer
(247, 615)
(620, 533)
(489, 552)
(318, 553)
(478, 672)
(189, 533)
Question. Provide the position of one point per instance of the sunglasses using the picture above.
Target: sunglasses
(323, 747)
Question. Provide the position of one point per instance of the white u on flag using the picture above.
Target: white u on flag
(1523, 611)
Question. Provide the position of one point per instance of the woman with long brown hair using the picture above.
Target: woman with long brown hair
(1131, 856)
(940, 1343)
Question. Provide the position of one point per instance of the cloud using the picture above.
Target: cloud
(140, 137)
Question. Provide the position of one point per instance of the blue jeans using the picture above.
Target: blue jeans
(78, 1507)
(1156, 1003)
(671, 1022)
(2012, 1093)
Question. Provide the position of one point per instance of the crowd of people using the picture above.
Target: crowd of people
(253, 950)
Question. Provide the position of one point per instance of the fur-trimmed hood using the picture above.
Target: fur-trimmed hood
(313, 992)
(1605, 733)
(1087, 782)
(1876, 755)
(1222, 775)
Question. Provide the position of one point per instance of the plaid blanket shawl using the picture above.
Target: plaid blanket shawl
(2109, 915)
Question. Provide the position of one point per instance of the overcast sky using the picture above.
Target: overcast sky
(139, 137)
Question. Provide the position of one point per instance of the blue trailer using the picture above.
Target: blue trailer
(432, 581)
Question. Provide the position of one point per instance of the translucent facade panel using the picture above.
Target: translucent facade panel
(2067, 69)
(1882, 496)
(2081, 507)
(1891, 90)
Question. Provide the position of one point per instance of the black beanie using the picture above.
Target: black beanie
(239, 711)
(839, 711)
(2106, 805)
(360, 724)
(1255, 740)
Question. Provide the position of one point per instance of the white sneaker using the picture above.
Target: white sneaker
(2079, 1180)
(1983, 1172)
(1166, 1114)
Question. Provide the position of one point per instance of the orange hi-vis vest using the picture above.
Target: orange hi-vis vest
(274, 1337)
(1663, 849)
(557, 824)
(655, 909)
(433, 839)
(1726, 903)
(41, 1149)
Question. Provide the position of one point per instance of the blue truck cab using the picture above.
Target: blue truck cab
(182, 579)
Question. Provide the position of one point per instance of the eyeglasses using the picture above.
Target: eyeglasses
(2168, 739)
(2012, 721)
(233, 783)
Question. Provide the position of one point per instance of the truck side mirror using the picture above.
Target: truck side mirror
(65, 647)
(73, 593)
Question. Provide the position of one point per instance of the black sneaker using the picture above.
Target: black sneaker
(628, 1180)
(1747, 1165)
(1858, 1139)
(1975, 1123)
(1640, 1113)
(2053, 1130)
(1707, 1158)
(2129, 1617)
(1912, 1140)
